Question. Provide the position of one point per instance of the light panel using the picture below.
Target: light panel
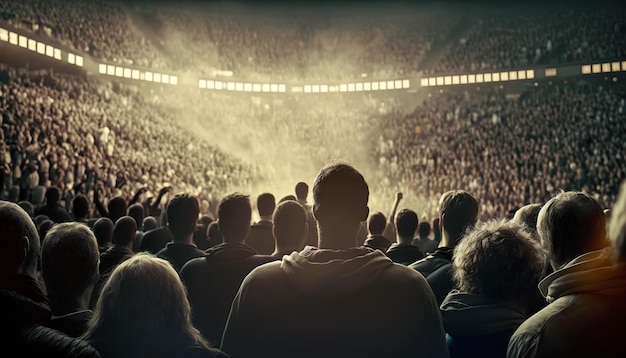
(375, 86)
(343, 88)
(32, 45)
(41, 48)
(530, 74)
(13, 38)
(390, 85)
(463, 79)
(110, 70)
(119, 71)
(615, 66)
(406, 84)
(102, 68)
(351, 87)
(149, 76)
(456, 80)
(23, 41)
(4, 35)
(282, 88)
(173, 80)
(424, 82)
(487, 77)
(479, 78)
(504, 76)
(210, 84)
(447, 80)
(324, 88)
(230, 86)
(156, 77)
(440, 81)
(274, 87)
(398, 84)
(513, 75)
(432, 81)
(359, 87)
(266, 87)
(550, 72)
(127, 72)
(247, 87)
(521, 75)
(135, 74)
(239, 86)
(57, 54)
(79, 61)
(471, 79)
(256, 87)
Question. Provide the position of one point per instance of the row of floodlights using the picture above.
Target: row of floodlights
(355, 87)
(477, 78)
(603, 67)
(38, 47)
(126, 72)
(242, 87)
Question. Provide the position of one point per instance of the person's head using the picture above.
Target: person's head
(136, 212)
(124, 231)
(103, 230)
(287, 198)
(53, 194)
(205, 220)
(201, 237)
(20, 241)
(498, 260)
(28, 207)
(527, 215)
(617, 227)
(144, 294)
(423, 229)
(302, 191)
(406, 224)
(215, 235)
(80, 207)
(290, 226)
(340, 195)
(234, 213)
(376, 223)
(266, 203)
(43, 228)
(458, 211)
(69, 261)
(182, 216)
(117, 208)
(569, 225)
(149, 223)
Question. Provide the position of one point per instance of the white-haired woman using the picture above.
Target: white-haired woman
(143, 311)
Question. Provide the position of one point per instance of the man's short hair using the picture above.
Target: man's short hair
(266, 203)
(103, 230)
(289, 222)
(376, 223)
(498, 260)
(571, 224)
(406, 223)
(617, 227)
(69, 259)
(53, 194)
(182, 215)
(136, 211)
(527, 215)
(80, 206)
(341, 191)
(124, 231)
(149, 223)
(460, 209)
(302, 190)
(16, 224)
(234, 213)
(423, 229)
(28, 207)
(117, 207)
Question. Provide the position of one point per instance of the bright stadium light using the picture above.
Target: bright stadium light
(165, 78)
(487, 77)
(479, 78)
(71, 58)
(615, 66)
(343, 88)
(149, 76)
(375, 86)
(382, 85)
(102, 69)
(135, 74)
(390, 85)
(447, 80)
(110, 70)
(359, 87)
(49, 51)
(173, 80)
(239, 86)
(315, 88)
(463, 79)
(4, 35)
(521, 74)
(456, 80)
(406, 84)
(274, 87)
(256, 87)
(32, 45)
(495, 77)
(513, 75)
(282, 88)
(202, 83)
(471, 79)
(606, 67)
(23, 41)
(79, 61)
(127, 72)
(219, 85)
(119, 71)
(440, 81)
(623, 65)
(12, 38)
(210, 84)
(156, 77)
(41, 48)
(530, 74)
(367, 86)
(424, 82)
(265, 87)
(398, 84)
(324, 88)
(504, 76)
(351, 87)
(595, 68)
(230, 86)
(432, 81)
(247, 87)
(550, 72)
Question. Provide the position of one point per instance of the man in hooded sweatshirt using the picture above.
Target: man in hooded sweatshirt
(586, 316)
(337, 300)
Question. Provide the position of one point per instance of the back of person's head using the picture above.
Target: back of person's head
(290, 225)
(69, 259)
(340, 195)
(43, 228)
(287, 198)
(376, 223)
(215, 235)
(28, 207)
(143, 311)
(527, 215)
(103, 230)
(436, 230)
(406, 223)
(117, 208)
(571, 224)
(234, 213)
(302, 191)
(149, 223)
(458, 211)
(136, 212)
(20, 240)
(617, 227)
(80, 207)
(182, 215)
(205, 220)
(201, 237)
(266, 203)
(423, 229)
(124, 231)
(53, 194)
(498, 260)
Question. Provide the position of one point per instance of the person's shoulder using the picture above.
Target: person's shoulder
(192, 266)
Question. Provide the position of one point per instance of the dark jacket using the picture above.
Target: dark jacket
(404, 254)
(212, 282)
(55, 213)
(24, 310)
(377, 242)
(586, 316)
(477, 326)
(155, 240)
(179, 253)
(113, 257)
(261, 237)
(73, 324)
(437, 269)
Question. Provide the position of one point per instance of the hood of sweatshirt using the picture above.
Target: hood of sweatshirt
(466, 315)
(593, 272)
(334, 273)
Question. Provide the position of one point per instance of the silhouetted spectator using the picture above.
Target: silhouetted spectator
(334, 285)
(260, 236)
(290, 228)
(103, 230)
(52, 209)
(423, 241)
(302, 192)
(376, 224)
(403, 251)
(136, 211)
(123, 236)
(212, 281)
(80, 208)
(215, 235)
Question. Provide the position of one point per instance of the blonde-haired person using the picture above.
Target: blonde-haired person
(143, 311)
